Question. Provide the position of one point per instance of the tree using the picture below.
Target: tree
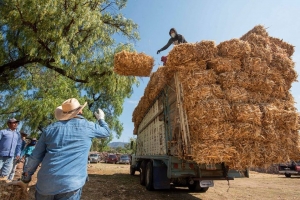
(131, 146)
(52, 50)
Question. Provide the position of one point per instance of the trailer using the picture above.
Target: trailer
(163, 150)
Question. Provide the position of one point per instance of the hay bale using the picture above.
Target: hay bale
(182, 53)
(279, 46)
(236, 94)
(255, 65)
(133, 64)
(208, 111)
(246, 113)
(227, 79)
(234, 48)
(221, 65)
(205, 50)
(258, 30)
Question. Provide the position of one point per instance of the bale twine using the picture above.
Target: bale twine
(133, 64)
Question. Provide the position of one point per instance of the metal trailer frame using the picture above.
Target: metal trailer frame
(170, 167)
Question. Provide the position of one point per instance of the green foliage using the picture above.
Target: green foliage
(52, 50)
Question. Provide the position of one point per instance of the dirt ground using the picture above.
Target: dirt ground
(113, 181)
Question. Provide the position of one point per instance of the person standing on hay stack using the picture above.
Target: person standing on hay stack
(10, 148)
(63, 150)
(175, 39)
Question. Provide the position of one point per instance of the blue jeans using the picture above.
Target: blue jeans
(74, 195)
(13, 170)
(6, 163)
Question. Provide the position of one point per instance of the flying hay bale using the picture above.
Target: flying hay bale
(133, 64)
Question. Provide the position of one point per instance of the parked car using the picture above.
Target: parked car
(124, 159)
(94, 158)
(111, 158)
(289, 169)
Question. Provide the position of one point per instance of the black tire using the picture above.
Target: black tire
(132, 171)
(143, 173)
(288, 175)
(149, 176)
(196, 187)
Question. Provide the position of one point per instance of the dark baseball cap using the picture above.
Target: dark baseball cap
(12, 120)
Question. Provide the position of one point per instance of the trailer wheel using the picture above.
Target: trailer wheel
(195, 187)
(149, 176)
(288, 175)
(132, 170)
(142, 172)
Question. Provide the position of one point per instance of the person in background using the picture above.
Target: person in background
(10, 148)
(28, 150)
(16, 161)
(63, 149)
(175, 39)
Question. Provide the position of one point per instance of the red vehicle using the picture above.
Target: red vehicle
(111, 158)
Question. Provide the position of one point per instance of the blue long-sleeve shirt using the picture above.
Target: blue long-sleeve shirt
(10, 143)
(63, 151)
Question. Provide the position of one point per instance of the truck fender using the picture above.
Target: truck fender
(160, 178)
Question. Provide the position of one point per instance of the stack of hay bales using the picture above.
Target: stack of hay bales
(133, 64)
(237, 99)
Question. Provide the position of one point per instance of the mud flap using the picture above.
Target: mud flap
(238, 173)
(160, 178)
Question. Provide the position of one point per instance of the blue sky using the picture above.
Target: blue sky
(216, 20)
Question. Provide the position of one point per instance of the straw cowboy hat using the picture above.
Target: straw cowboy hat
(69, 109)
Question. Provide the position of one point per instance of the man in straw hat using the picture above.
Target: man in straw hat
(10, 146)
(62, 150)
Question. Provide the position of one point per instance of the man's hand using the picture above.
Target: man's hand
(99, 115)
(158, 51)
(26, 178)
